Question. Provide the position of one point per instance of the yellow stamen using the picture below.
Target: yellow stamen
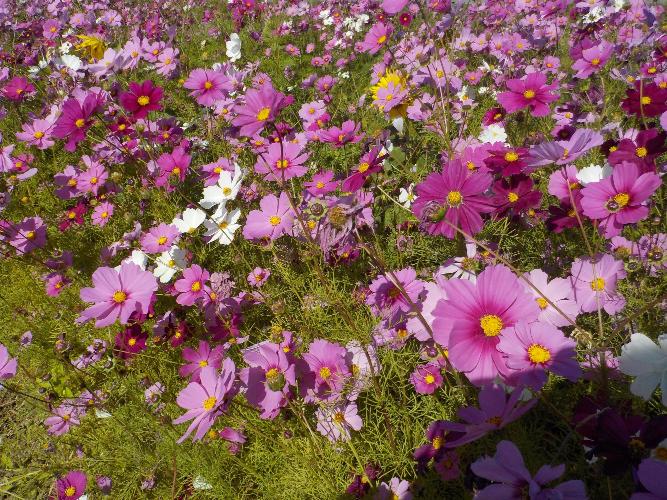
(491, 325)
(119, 296)
(538, 354)
(209, 403)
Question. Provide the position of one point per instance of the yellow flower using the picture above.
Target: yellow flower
(91, 45)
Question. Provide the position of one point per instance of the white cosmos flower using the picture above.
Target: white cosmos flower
(138, 257)
(234, 47)
(190, 220)
(169, 263)
(406, 196)
(647, 362)
(222, 225)
(493, 133)
(72, 62)
(227, 188)
(593, 173)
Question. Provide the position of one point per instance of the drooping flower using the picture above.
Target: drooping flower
(619, 199)
(207, 399)
(118, 294)
(474, 315)
(530, 92)
(532, 349)
(594, 283)
(261, 106)
(453, 198)
(201, 358)
(647, 362)
(513, 480)
(72, 485)
(141, 99)
(335, 421)
(274, 218)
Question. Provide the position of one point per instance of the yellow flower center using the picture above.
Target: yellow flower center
(71, 182)
(661, 453)
(272, 373)
(70, 491)
(104, 215)
(595, 61)
(80, 122)
(325, 372)
(622, 199)
(167, 60)
(538, 354)
(282, 164)
(429, 379)
(542, 302)
(93, 180)
(470, 165)
(223, 225)
(597, 284)
(454, 198)
(319, 185)
(491, 325)
(209, 403)
(208, 85)
(131, 342)
(363, 167)
(38, 135)
(512, 197)
(176, 171)
(162, 240)
(641, 152)
(529, 94)
(274, 220)
(263, 114)
(203, 363)
(226, 191)
(511, 156)
(497, 420)
(119, 296)
(143, 100)
(382, 39)
(645, 100)
(339, 417)
(436, 443)
(71, 215)
(196, 286)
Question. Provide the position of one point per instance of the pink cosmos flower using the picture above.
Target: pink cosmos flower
(7, 364)
(386, 298)
(329, 364)
(592, 59)
(141, 99)
(55, 284)
(454, 196)
(208, 86)
(61, 419)
(564, 181)
(102, 213)
(370, 163)
(282, 161)
(28, 235)
(474, 315)
(558, 291)
(392, 7)
(201, 358)
(268, 378)
(261, 106)
(338, 137)
(335, 422)
(192, 286)
(158, 239)
(376, 38)
(322, 184)
(426, 378)
(18, 88)
(172, 167)
(311, 111)
(207, 399)
(531, 91)
(118, 294)
(619, 199)
(594, 284)
(166, 61)
(72, 485)
(93, 178)
(50, 29)
(274, 219)
(532, 349)
(258, 277)
(37, 133)
(76, 119)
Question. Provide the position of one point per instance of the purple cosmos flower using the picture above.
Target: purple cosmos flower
(592, 59)
(258, 277)
(201, 358)
(515, 194)
(652, 475)
(565, 152)
(282, 161)
(453, 197)
(335, 422)
(7, 364)
(261, 106)
(206, 400)
(329, 364)
(274, 218)
(72, 485)
(558, 292)
(347, 133)
(268, 378)
(434, 449)
(531, 91)
(474, 315)
(61, 419)
(18, 88)
(514, 480)
(141, 99)
(28, 235)
(376, 38)
(386, 298)
(646, 146)
(75, 119)
(159, 239)
(118, 294)
(192, 286)
(619, 199)
(426, 378)
(208, 86)
(496, 410)
(594, 283)
(534, 348)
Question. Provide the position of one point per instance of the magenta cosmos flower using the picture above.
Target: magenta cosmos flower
(7, 364)
(18, 88)
(529, 92)
(282, 161)
(594, 284)
(386, 298)
(592, 59)
(192, 286)
(426, 378)
(206, 400)
(272, 220)
(72, 485)
(453, 198)
(208, 86)
(329, 363)
(532, 349)
(75, 120)
(118, 294)
(201, 358)
(172, 167)
(261, 106)
(619, 199)
(268, 378)
(141, 99)
(474, 314)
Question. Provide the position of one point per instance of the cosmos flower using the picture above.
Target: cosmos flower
(594, 283)
(201, 358)
(376, 38)
(651, 474)
(141, 99)
(118, 294)
(261, 106)
(592, 59)
(530, 92)
(558, 291)
(207, 86)
(192, 286)
(61, 419)
(426, 378)
(225, 189)
(386, 298)
(274, 219)
(335, 421)
(18, 88)
(27, 235)
(329, 364)
(647, 362)
(37, 133)
(7, 364)
(159, 239)
(207, 399)
(282, 161)
(646, 99)
(222, 225)
(169, 263)
(72, 485)
(76, 119)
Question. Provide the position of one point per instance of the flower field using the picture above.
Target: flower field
(383, 249)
